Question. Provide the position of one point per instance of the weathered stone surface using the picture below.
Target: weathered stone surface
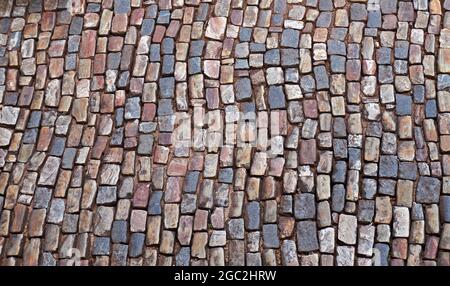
(56, 212)
(401, 222)
(119, 232)
(103, 220)
(366, 239)
(428, 190)
(9, 115)
(5, 137)
(225, 132)
(347, 229)
(216, 28)
(388, 166)
(289, 253)
(106, 195)
(110, 174)
(236, 228)
(270, 236)
(49, 172)
(243, 89)
(252, 216)
(345, 256)
(307, 236)
(304, 206)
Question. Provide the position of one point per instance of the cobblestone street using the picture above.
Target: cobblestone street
(225, 132)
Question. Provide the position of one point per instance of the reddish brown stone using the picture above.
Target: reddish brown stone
(177, 167)
(184, 232)
(152, 73)
(161, 154)
(283, 122)
(276, 166)
(107, 103)
(258, 77)
(173, 190)
(36, 223)
(48, 21)
(11, 79)
(212, 97)
(397, 262)
(98, 83)
(69, 77)
(216, 27)
(196, 162)
(200, 220)
(158, 34)
(120, 98)
(131, 129)
(136, 85)
(56, 48)
(137, 16)
(56, 67)
(99, 147)
(431, 247)
(120, 23)
(88, 43)
(45, 136)
(307, 154)
(141, 195)
(406, 11)
(286, 226)
(31, 252)
(114, 155)
(62, 183)
(310, 108)
(416, 74)
(30, 31)
(26, 96)
(60, 32)
(389, 22)
(353, 70)
(115, 44)
(73, 140)
(148, 112)
(20, 217)
(400, 248)
(41, 75)
(269, 188)
(173, 29)
(44, 40)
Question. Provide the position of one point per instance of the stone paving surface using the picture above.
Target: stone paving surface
(224, 132)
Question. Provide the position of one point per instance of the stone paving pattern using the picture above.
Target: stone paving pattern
(357, 172)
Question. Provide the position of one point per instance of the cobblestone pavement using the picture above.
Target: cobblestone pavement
(224, 132)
